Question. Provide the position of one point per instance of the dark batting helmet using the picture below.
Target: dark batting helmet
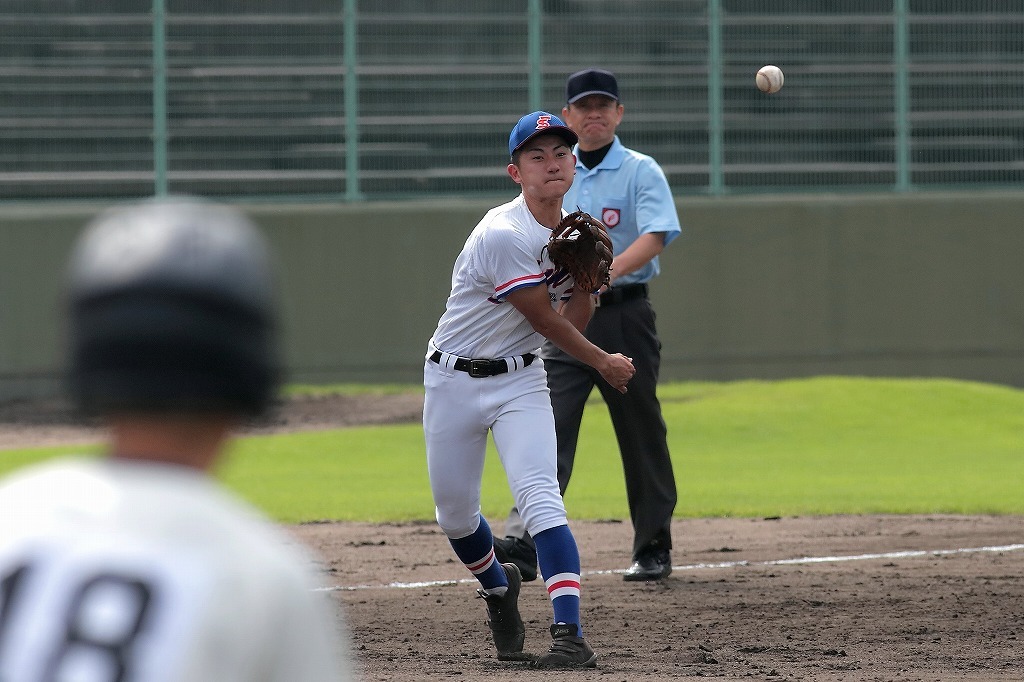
(172, 309)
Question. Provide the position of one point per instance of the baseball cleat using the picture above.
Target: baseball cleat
(503, 618)
(567, 649)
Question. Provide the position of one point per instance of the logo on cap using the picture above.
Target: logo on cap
(539, 122)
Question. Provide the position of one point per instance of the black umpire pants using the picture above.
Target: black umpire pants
(626, 327)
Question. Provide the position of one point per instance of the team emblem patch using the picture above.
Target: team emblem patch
(610, 217)
(543, 122)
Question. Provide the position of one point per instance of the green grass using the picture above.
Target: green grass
(817, 446)
(827, 446)
(358, 474)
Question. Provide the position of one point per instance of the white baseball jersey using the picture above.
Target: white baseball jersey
(119, 570)
(504, 252)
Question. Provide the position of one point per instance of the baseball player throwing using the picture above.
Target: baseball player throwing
(482, 374)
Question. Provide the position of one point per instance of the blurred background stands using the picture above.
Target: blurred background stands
(360, 99)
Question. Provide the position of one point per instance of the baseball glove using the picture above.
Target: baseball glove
(580, 245)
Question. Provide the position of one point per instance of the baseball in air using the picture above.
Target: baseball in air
(769, 79)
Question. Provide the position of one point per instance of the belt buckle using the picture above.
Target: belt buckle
(479, 369)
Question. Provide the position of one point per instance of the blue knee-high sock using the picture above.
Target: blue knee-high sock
(476, 551)
(559, 560)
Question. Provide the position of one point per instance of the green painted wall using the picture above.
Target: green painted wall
(899, 285)
(921, 284)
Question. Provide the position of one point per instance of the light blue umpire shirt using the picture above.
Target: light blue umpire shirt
(629, 193)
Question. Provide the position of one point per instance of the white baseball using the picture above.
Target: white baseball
(769, 79)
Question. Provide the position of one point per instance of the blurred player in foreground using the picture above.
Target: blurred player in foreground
(482, 375)
(137, 566)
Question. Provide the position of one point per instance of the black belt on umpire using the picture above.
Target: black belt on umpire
(480, 368)
(626, 292)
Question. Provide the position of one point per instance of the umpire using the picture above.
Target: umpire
(628, 191)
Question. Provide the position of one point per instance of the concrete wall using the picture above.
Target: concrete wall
(921, 284)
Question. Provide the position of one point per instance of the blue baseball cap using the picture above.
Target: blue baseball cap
(591, 82)
(538, 123)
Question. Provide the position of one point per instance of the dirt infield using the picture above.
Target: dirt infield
(41, 423)
(729, 611)
(856, 599)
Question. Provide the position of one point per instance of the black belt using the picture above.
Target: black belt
(627, 292)
(482, 368)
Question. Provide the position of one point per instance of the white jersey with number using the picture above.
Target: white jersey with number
(505, 252)
(117, 570)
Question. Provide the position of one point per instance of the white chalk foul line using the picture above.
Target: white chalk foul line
(903, 554)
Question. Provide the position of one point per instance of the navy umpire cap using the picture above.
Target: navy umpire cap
(591, 82)
(538, 123)
(172, 309)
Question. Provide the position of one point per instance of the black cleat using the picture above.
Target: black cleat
(651, 566)
(520, 552)
(503, 618)
(567, 650)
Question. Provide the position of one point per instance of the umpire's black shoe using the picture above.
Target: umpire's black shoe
(504, 620)
(520, 552)
(650, 566)
(568, 650)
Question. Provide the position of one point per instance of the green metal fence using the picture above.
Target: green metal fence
(364, 99)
